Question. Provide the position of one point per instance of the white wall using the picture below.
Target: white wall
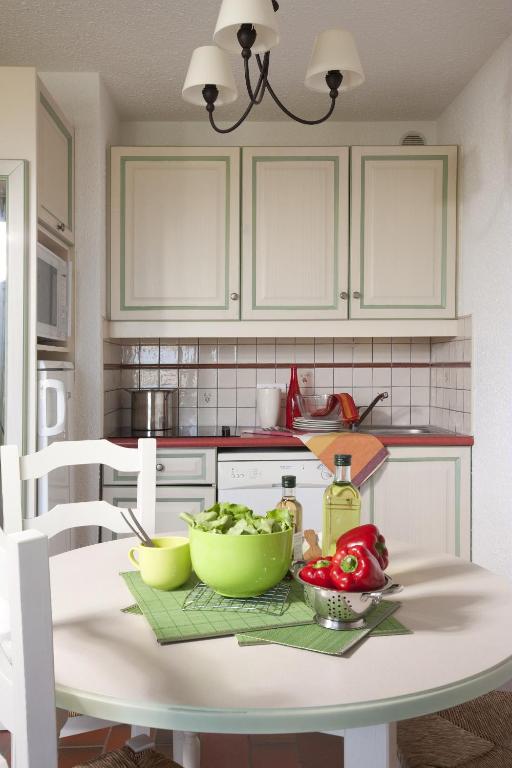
(86, 102)
(285, 133)
(480, 120)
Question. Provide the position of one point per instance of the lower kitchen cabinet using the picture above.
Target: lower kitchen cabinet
(422, 495)
(170, 502)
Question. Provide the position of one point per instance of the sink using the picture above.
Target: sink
(398, 429)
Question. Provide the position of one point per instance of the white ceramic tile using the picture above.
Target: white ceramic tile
(227, 353)
(149, 378)
(459, 422)
(381, 353)
(188, 353)
(111, 401)
(245, 377)
(188, 398)
(207, 353)
(126, 399)
(323, 353)
(324, 378)
(207, 378)
(285, 353)
(466, 423)
(420, 353)
(362, 353)
(343, 353)
(205, 340)
(246, 353)
(323, 390)
(226, 378)
(381, 377)
(246, 398)
(460, 378)
(188, 340)
(419, 415)
(400, 415)
(168, 354)
(420, 396)
(401, 340)
(130, 354)
(207, 417)
(226, 417)
(188, 378)
(343, 377)
(362, 396)
(362, 377)
(306, 377)
(266, 353)
(266, 376)
(149, 354)
(226, 398)
(401, 377)
(467, 378)
(400, 396)
(283, 377)
(207, 398)
(459, 402)
(188, 417)
(467, 401)
(452, 399)
(111, 379)
(285, 340)
(453, 378)
(168, 378)
(467, 351)
(125, 417)
(246, 340)
(401, 353)
(420, 377)
(381, 415)
(246, 417)
(467, 327)
(304, 353)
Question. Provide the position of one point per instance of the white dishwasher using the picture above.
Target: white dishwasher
(253, 478)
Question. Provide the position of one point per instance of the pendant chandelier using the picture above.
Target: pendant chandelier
(250, 27)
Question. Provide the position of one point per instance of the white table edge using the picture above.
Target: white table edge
(288, 720)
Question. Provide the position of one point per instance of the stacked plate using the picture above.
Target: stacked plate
(304, 424)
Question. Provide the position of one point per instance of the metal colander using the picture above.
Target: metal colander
(341, 610)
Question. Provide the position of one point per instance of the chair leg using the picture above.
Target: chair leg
(177, 746)
(372, 746)
(191, 750)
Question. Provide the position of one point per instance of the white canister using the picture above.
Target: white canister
(268, 405)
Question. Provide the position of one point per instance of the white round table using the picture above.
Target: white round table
(109, 665)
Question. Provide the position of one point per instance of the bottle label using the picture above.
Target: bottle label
(297, 546)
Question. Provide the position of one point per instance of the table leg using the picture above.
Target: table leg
(373, 746)
(191, 750)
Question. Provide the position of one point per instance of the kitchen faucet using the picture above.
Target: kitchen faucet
(355, 425)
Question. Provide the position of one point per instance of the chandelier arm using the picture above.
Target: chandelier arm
(235, 125)
(287, 111)
(255, 96)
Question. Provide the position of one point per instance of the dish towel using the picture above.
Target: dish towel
(368, 453)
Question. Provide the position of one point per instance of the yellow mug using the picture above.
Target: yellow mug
(165, 566)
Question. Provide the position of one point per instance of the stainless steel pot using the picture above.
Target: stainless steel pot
(152, 410)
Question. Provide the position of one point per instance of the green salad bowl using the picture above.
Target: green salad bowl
(240, 566)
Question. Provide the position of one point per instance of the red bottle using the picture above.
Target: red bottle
(292, 409)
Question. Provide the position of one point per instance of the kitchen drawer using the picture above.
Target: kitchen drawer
(170, 502)
(174, 467)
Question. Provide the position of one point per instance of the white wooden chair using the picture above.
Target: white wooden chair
(16, 469)
(27, 683)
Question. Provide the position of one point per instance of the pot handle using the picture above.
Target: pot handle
(393, 589)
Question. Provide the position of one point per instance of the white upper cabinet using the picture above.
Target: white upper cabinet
(55, 168)
(403, 232)
(175, 233)
(295, 233)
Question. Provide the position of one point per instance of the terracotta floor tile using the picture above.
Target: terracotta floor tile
(89, 739)
(223, 751)
(117, 737)
(5, 742)
(277, 755)
(273, 738)
(69, 757)
(163, 737)
(316, 749)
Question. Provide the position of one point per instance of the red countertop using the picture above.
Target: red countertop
(288, 442)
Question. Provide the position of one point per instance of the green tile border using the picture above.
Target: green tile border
(336, 195)
(444, 234)
(69, 139)
(124, 160)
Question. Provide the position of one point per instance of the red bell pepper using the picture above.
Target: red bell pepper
(370, 537)
(355, 569)
(317, 572)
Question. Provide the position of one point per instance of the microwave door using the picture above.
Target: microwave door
(47, 292)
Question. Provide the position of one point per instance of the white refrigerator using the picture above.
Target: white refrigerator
(55, 391)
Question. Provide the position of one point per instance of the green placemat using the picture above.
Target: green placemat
(171, 624)
(312, 637)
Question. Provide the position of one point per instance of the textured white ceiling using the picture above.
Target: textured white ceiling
(417, 54)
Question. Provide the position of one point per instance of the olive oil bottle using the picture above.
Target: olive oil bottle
(289, 502)
(341, 505)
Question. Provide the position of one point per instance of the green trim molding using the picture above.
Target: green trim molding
(125, 478)
(336, 202)
(444, 231)
(124, 160)
(69, 139)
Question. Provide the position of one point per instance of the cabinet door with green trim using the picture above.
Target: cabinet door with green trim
(403, 232)
(174, 233)
(295, 233)
(55, 165)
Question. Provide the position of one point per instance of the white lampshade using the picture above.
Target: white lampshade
(334, 49)
(234, 13)
(209, 65)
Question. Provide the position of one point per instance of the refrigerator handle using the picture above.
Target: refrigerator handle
(48, 430)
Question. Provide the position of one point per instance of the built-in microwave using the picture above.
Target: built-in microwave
(53, 295)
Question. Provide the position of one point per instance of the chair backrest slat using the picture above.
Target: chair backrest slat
(15, 469)
(27, 689)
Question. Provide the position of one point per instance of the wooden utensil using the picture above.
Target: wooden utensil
(313, 552)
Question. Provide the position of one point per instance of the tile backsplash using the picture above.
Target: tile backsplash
(428, 380)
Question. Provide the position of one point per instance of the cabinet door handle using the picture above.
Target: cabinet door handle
(356, 295)
(234, 296)
(160, 467)
(61, 227)
(344, 295)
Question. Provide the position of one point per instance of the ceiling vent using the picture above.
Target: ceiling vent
(412, 139)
